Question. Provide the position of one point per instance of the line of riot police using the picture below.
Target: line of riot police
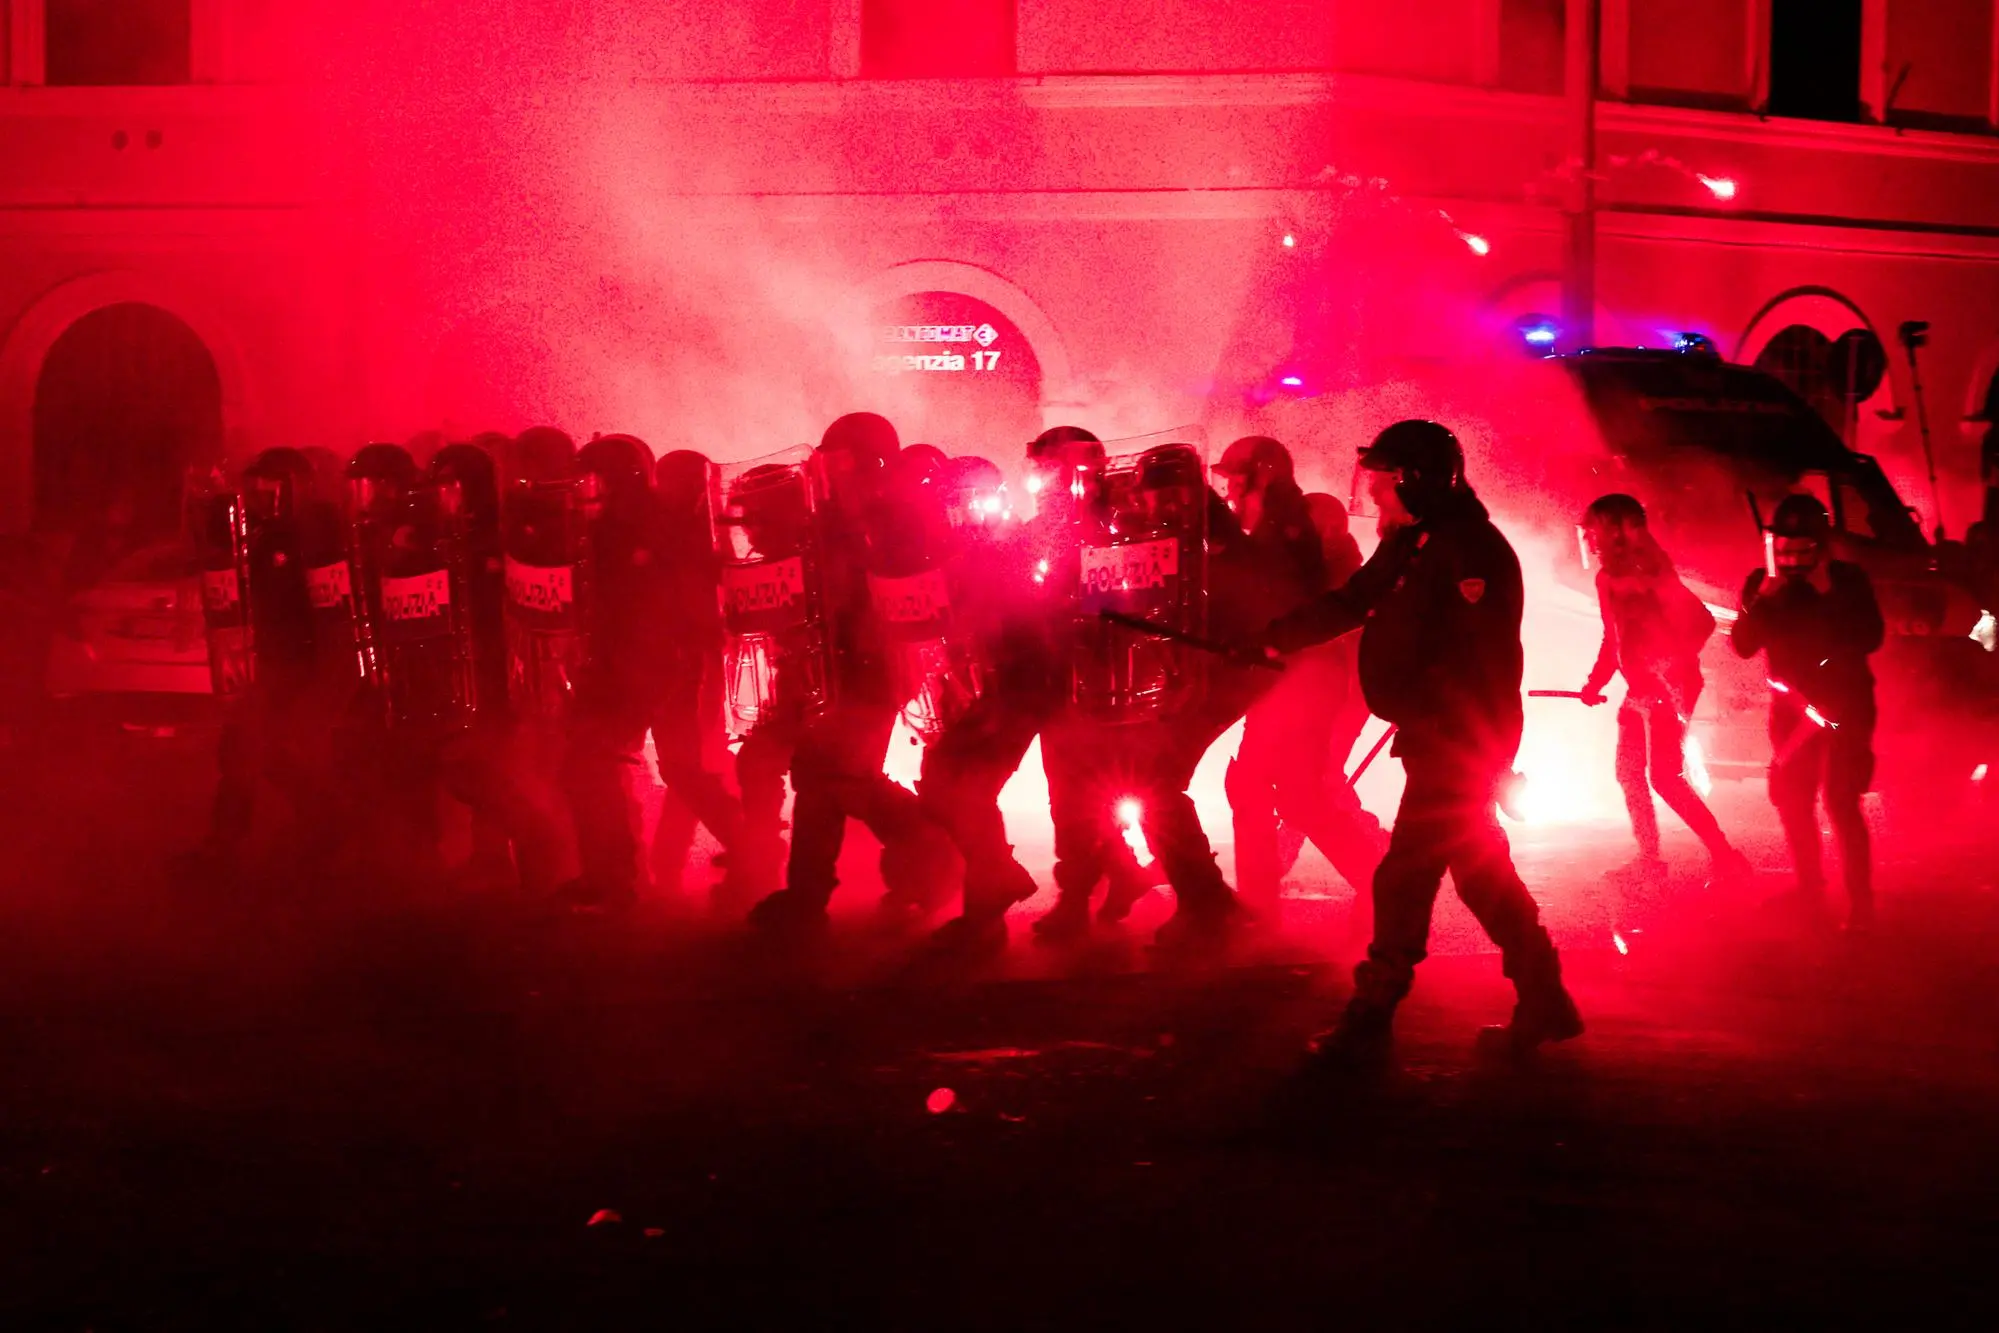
(507, 621)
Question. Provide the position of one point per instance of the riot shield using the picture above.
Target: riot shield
(218, 523)
(425, 641)
(545, 531)
(778, 645)
(1144, 557)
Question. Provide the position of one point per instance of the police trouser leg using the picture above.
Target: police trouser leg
(1171, 823)
(1447, 822)
(1796, 770)
(235, 804)
(963, 774)
(836, 774)
(1315, 797)
(683, 726)
(1633, 741)
(604, 767)
(1849, 772)
(761, 764)
(482, 768)
(1251, 784)
(1078, 760)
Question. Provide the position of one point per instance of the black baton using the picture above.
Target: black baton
(1195, 641)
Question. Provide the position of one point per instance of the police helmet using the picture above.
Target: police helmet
(622, 462)
(1258, 457)
(540, 453)
(1428, 457)
(865, 437)
(681, 479)
(474, 473)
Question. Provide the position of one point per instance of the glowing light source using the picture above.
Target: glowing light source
(1538, 333)
(1289, 240)
(1618, 940)
(1978, 774)
(1292, 382)
(1721, 187)
(1694, 765)
(1128, 813)
(1695, 344)
(989, 504)
(1035, 484)
(1820, 718)
(1986, 632)
(1475, 243)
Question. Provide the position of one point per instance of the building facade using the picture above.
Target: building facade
(228, 224)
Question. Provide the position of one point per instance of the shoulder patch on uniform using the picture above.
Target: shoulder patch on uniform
(1472, 589)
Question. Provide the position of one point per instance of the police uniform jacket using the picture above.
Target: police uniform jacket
(1439, 607)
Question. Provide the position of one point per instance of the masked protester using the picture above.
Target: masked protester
(1439, 608)
(1653, 631)
(686, 694)
(1282, 767)
(1817, 619)
(836, 765)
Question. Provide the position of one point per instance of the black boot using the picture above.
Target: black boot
(1067, 921)
(1544, 1011)
(1364, 1037)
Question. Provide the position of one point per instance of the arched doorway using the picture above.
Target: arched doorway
(1821, 346)
(127, 399)
(969, 375)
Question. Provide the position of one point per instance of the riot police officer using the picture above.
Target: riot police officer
(607, 727)
(268, 733)
(1283, 767)
(836, 764)
(1439, 607)
(685, 711)
(1653, 631)
(1818, 621)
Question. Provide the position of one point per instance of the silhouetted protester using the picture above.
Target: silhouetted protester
(1817, 620)
(1439, 608)
(684, 648)
(1653, 632)
(838, 753)
(1285, 768)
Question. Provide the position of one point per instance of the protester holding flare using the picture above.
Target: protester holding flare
(1653, 630)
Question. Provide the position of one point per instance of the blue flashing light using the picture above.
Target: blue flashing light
(1695, 344)
(1540, 335)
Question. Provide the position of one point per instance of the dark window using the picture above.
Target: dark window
(96, 43)
(1834, 375)
(1815, 59)
(127, 400)
(936, 39)
(1531, 54)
